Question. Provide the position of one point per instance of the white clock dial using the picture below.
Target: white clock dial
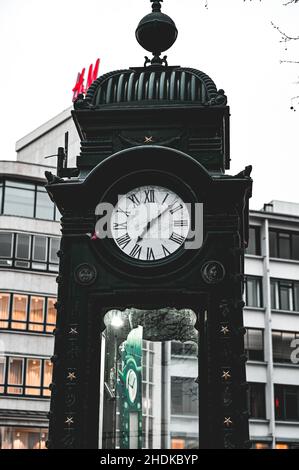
(150, 223)
(132, 385)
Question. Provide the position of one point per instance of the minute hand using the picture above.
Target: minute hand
(151, 223)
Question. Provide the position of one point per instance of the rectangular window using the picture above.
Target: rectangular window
(54, 247)
(184, 396)
(33, 377)
(254, 245)
(23, 438)
(51, 315)
(2, 373)
(19, 200)
(6, 246)
(39, 252)
(256, 398)
(282, 345)
(284, 244)
(36, 314)
(15, 376)
(284, 295)
(254, 344)
(44, 206)
(47, 379)
(23, 246)
(19, 312)
(4, 309)
(286, 402)
(253, 291)
(183, 349)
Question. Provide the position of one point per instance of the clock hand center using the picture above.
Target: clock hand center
(151, 223)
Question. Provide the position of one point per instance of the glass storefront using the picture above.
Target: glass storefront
(23, 438)
(149, 396)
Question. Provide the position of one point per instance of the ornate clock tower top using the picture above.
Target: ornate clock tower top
(156, 33)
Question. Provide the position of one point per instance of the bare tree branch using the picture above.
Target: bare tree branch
(285, 37)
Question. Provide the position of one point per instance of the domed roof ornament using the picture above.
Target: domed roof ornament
(156, 33)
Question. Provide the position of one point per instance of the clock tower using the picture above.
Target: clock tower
(152, 252)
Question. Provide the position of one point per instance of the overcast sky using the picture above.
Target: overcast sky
(44, 43)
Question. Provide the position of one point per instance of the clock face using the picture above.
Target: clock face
(131, 385)
(150, 223)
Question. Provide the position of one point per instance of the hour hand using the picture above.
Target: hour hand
(144, 231)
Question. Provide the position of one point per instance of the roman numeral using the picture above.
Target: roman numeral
(123, 241)
(176, 238)
(123, 212)
(165, 198)
(165, 251)
(149, 195)
(136, 251)
(133, 198)
(150, 254)
(180, 223)
(175, 209)
(121, 226)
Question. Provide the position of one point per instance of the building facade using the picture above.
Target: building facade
(29, 241)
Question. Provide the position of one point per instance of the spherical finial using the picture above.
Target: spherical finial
(156, 32)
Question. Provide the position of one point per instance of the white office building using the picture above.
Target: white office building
(29, 240)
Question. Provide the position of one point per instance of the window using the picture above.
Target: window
(4, 310)
(284, 244)
(6, 246)
(54, 247)
(282, 349)
(44, 205)
(33, 377)
(256, 400)
(253, 291)
(184, 442)
(2, 373)
(286, 402)
(254, 344)
(26, 376)
(19, 199)
(284, 295)
(261, 445)
(39, 252)
(254, 244)
(27, 312)
(184, 396)
(19, 312)
(27, 200)
(26, 251)
(184, 349)
(15, 375)
(23, 242)
(23, 438)
(51, 315)
(47, 378)
(36, 314)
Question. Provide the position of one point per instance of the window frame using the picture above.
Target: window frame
(42, 388)
(296, 336)
(260, 386)
(257, 240)
(278, 284)
(48, 265)
(35, 187)
(280, 392)
(246, 346)
(259, 284)
(47, 328)
(278, 232)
